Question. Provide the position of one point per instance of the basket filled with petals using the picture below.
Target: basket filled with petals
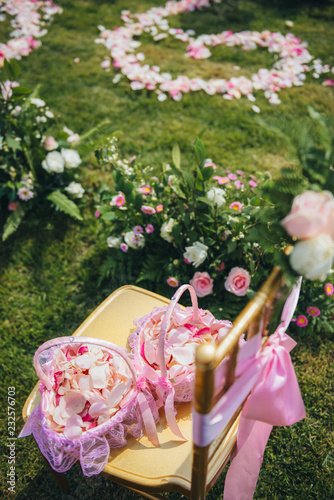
(164, 345)
(91, 400)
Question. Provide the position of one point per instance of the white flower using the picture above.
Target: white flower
(50, 143)
(71, 158)
(54, 162)
(49, 114)
(74, 139)
(166, 230)
(114, 242)
(196, 254)
(217, 196)
(75, 189)
(134, 240)
(313, 258)
(39, 103)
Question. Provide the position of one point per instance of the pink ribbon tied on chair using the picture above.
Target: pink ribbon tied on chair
(274, 400)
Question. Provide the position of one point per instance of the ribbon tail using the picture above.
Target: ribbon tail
(149, 423)
(170, 415)
(26, 430)
(244, 470)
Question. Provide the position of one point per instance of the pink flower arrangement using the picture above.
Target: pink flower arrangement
(202, 284)
(238, 281)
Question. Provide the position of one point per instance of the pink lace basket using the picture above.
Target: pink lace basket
(91, 400)
(163, 349)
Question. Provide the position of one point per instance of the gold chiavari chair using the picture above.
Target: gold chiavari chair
(182, 466)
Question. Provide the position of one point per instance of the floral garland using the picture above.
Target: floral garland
(293, 58)
(29, 20)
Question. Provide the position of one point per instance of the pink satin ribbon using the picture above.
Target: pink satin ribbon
(275, 400)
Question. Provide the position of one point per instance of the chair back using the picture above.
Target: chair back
(226, 374)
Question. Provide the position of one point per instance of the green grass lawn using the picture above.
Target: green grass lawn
(49, 270)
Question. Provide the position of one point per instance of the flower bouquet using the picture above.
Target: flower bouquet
(91, 400)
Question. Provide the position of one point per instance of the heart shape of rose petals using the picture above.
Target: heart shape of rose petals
(293, 59)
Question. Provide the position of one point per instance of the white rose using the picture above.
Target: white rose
(73, 139)
(54, 162)
(39, 103)
(313, 258)
(114, 242)
(166, 230)
(134, 240)
(216, 195)
(196, 254)
(75, 189)
(71, 158)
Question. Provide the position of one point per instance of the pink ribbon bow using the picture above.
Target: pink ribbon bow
(275, 400)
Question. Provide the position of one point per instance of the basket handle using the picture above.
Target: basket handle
(112, 348)
(166, 322)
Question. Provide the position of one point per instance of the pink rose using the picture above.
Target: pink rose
(311, 213)
(202, 284)
(237, 281)
(50, 143)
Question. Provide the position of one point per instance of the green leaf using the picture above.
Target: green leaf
(20, 91)
(127, 188)
(207, 173)
(199, 175)
(176, 232)
(176, 156)
(13, 221)
(12, 69)
(13, 144)
(189, 179)
(108, 216)
(199, 151)
(64, 204)
(202, 199)
(231, 246)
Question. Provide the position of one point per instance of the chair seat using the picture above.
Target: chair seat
(151, 469)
